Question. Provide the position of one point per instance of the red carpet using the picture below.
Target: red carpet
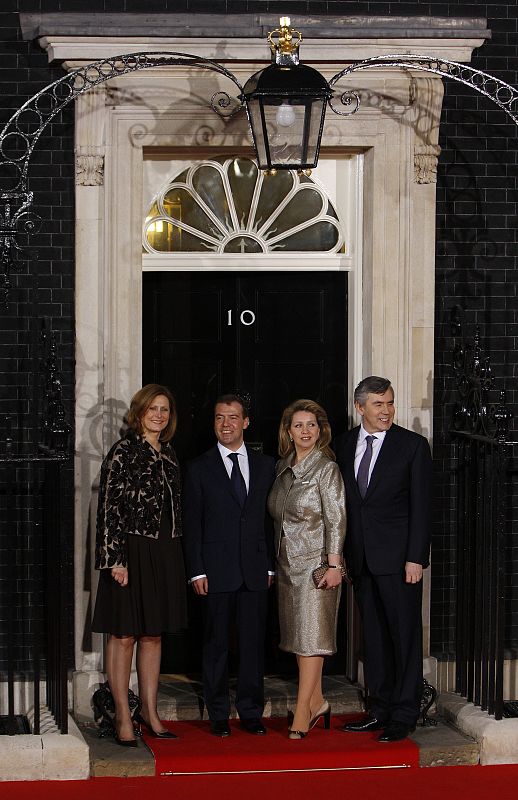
(197, 752)
(445, 783)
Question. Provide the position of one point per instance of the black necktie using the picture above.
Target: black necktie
(362, 477)
(237, 480)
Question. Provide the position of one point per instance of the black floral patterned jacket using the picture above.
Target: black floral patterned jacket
(131, 492)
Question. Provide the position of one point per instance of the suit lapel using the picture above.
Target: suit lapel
(349, 456)
(387, 453)
(219, 471)
(253, 466)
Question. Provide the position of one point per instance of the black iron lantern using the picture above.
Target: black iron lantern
(286, 106)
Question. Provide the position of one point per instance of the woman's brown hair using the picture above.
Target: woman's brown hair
(140, 403)
(286, 445)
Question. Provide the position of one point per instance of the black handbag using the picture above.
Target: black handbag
(104, 708)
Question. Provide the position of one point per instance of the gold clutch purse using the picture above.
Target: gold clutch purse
(320, 571)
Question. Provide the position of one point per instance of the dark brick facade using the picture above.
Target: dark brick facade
(477, 219)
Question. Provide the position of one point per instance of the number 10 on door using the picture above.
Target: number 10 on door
(246, 317)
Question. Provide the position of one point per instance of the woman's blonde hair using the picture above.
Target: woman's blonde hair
(141, 401)
(286, 445)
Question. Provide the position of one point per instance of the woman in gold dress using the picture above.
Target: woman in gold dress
(307, 503)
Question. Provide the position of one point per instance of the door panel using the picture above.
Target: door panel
(278, 336)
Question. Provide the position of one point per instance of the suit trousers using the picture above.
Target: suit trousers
(393, 644)
(249, 610)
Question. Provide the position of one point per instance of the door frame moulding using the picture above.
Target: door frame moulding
(115, 124)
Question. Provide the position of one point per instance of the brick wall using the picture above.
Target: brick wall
(476, 234)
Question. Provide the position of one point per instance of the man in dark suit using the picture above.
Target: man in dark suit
(228, 548)
(387, 471)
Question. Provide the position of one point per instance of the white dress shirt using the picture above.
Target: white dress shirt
(243, 461)
(361, 446)
(243, 466)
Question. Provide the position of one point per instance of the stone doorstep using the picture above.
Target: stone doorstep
(180, 699)
(439, 746)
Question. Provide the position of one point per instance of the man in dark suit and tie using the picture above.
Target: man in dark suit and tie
(387, 471)
(228, 544)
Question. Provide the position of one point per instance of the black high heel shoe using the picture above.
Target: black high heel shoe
(162, 735)
(124, 742)
(295, 735)
(325, 713)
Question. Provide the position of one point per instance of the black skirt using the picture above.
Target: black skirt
(155, 599)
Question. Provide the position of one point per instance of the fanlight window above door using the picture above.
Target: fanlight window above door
(229, 206)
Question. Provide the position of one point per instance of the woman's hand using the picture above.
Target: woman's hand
(331, 578)
(120, 574)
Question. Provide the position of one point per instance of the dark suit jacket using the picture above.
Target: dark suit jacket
(227, 543)
(391, 525)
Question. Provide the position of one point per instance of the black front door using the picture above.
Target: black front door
(278, 336)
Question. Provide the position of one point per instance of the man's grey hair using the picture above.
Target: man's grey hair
(371, 385)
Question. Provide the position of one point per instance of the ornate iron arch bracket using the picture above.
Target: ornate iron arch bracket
(23, 130)
(502, 94)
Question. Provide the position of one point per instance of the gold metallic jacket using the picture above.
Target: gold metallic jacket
(307, 503)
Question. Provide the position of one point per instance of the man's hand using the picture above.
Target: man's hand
(413, 572)
(271, 580)
(201, 586)
(120, 574)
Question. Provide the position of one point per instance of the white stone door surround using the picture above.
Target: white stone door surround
(396, 130)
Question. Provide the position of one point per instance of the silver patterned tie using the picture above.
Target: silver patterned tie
(362, 477)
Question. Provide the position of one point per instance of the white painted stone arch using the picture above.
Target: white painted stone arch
(394, 140)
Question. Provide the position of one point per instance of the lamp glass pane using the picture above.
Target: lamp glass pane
(292, 131)
(256, 122)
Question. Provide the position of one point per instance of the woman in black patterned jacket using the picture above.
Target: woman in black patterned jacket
(142, 587)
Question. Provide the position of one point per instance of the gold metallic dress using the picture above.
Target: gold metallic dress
(307, 503)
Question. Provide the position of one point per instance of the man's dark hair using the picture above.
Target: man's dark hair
(235, 396)
(371, 385)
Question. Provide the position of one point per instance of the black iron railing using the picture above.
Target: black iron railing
(481, 452)
(36, 572)
(481, 528)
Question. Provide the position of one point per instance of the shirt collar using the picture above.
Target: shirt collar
(380, 435)
(224, 451)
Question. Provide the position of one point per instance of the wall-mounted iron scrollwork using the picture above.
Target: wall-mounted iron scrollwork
(475, 412)
(20, 135)
(22, 132)
(502, 94)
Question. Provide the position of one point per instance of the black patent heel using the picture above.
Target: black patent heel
(325, 714)
(162, 735)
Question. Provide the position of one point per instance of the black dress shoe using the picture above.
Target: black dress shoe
(364, 725)
(396, 732)
(220, 727)
(253, 726)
